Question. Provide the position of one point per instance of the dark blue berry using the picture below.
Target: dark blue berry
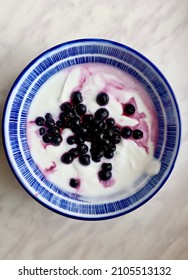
(129, 109)
(108, 154)
(96, 123)
(39, 121)
(53, 130)
(105, 175)
(41, 130)
(76, 97)
(137, 134)
(71, 140)
(56, 140)
(67, 158)
(106, 166)
(88, 119)
(72, 114)
(126, 132)
(74, 152)
(96, 152)
(102, 135)
(110, 122)
(116, 129)
(68, 123)
(111, 147)
(47, 138)
(96, 157)
(59, 124)
(81, 109)
(79, 139)
(101, 114)
(75, 122)
(74, 182)
(65, 107)
(48, 115)
(62, 117)
(115, 138)
(49, 122)
(84, 159)
(102, 99)
(82, 130)
(83, 149)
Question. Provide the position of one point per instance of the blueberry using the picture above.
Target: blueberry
(39, 121)
(47, 138)
(68, 123)
(108, 154)
(74, 152)
(71, 140)
(82, 130)
(53, 130)
(79, 139)
(96, 123)
(126, 132)
(49, 122)
(88, 135)
(76, 97)
(111, 147)
(129, 109)
(56, 140)
(99, 124)
(96, 152)
(110, 122)
(72, 113)
(48, 115)
(102, 99)
(75, 122)
(102, 135)
(87, 119)
(101, 114)
(65, 107)
(62, 117)
(59, 124)
(96, 158)
(137, 134)
(105, 175)
(116, 138)
(81, 109)
(105, 142)
(83, 149)
(41, 130)
(67, 158)
(102, 125)
(116, 129)
(106, 166)
(74, 182)
(84, 159)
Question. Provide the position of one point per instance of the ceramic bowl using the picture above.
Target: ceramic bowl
(26, 87)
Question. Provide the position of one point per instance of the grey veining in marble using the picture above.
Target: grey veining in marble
(159, 30)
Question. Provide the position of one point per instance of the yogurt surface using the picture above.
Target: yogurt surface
(133, 162)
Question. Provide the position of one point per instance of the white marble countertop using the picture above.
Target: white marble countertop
(159, 30)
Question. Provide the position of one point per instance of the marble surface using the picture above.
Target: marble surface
(159, 30)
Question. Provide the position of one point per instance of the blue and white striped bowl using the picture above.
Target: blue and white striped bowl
(28, 84)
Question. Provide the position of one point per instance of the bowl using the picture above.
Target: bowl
(26, 87)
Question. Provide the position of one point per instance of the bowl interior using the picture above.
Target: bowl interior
(26, 87)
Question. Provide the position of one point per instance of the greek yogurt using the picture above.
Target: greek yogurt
(133, 162)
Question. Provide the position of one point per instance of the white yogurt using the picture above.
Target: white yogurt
(132, 161)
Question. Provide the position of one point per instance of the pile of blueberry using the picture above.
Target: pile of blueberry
(98, 129)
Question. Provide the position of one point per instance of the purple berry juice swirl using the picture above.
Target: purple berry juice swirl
(92, 129)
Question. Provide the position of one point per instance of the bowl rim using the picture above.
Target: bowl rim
(125, 47)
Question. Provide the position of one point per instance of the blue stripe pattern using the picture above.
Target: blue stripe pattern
(123, 58)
